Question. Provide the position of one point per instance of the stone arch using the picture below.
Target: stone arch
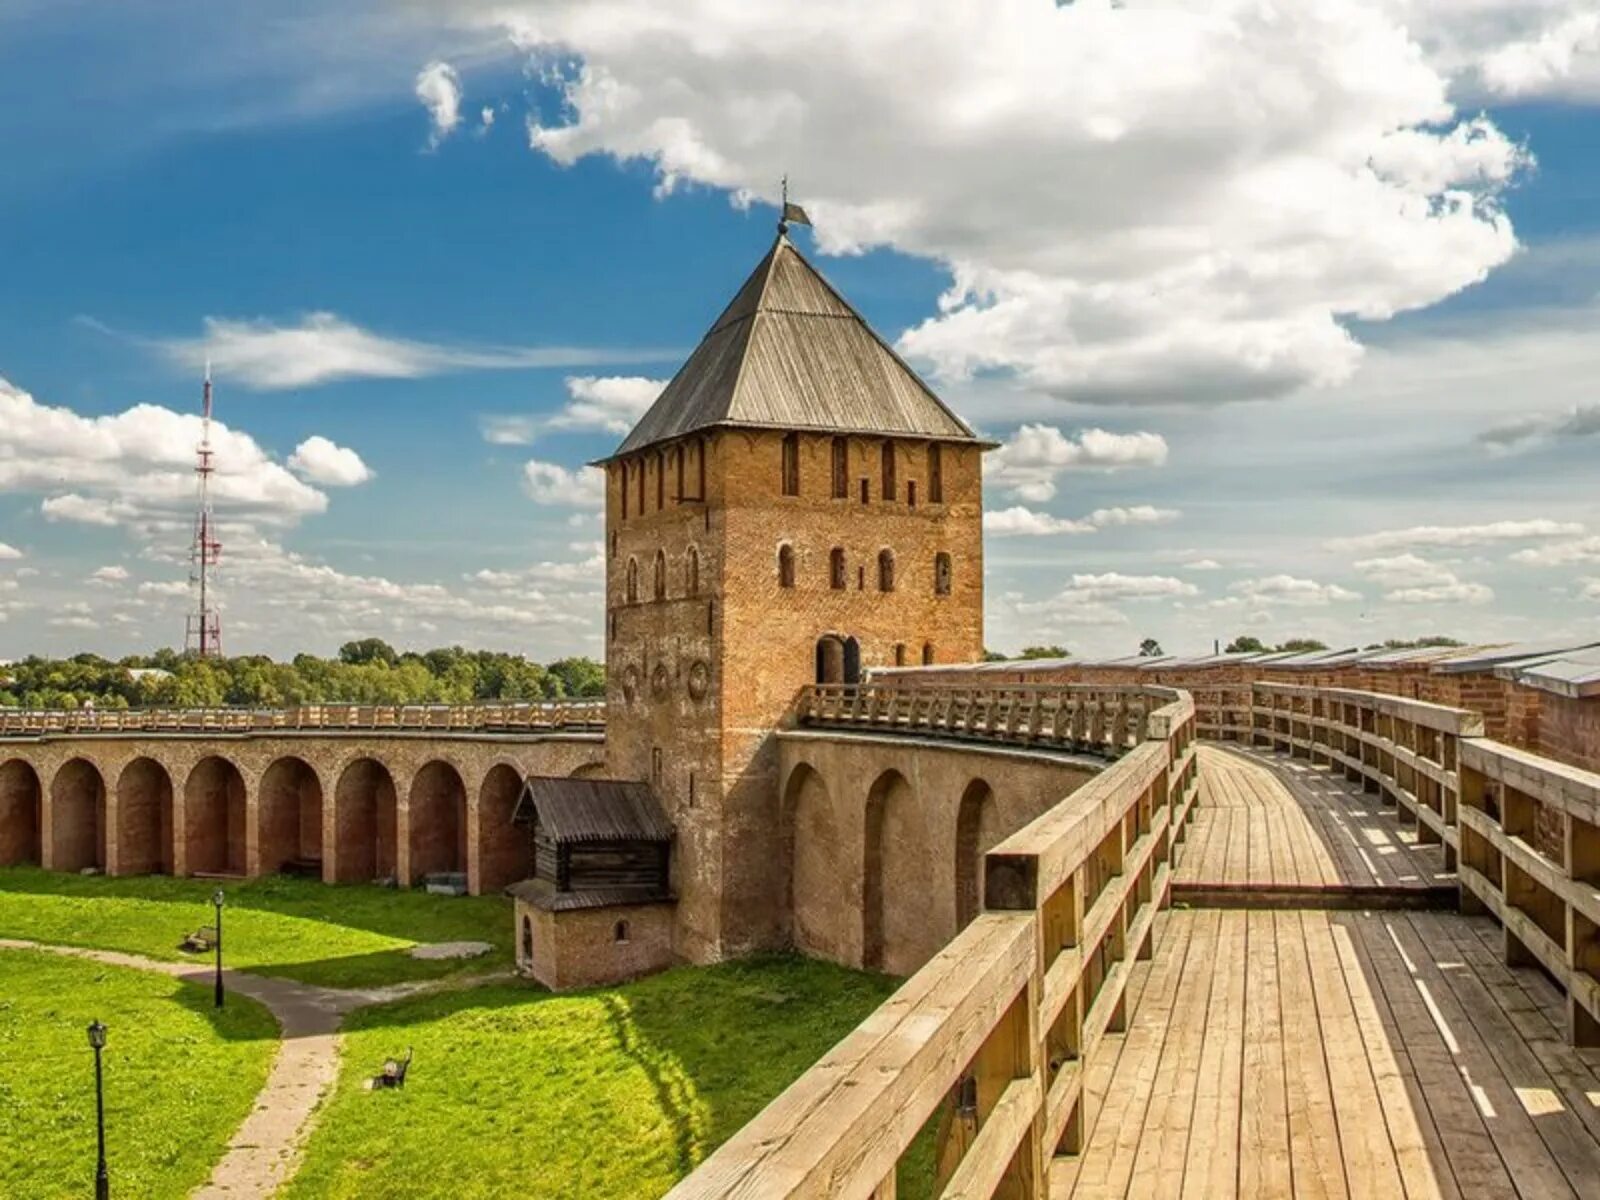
(364, 823)
(437, 808)
(78, 817)
(977, 830)
(823, 918)
(145, 840)
(214, 818)
(896, 933)
(505, 851)
(289, 817)
(593, 770)
(21, 814)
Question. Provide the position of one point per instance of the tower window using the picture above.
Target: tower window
(691, 572)
(677, 456)
(889, 485)
(624, 491)
(899, 654)
(911, 493)
(935, 474)
(660, 582)
(785, 566)
(927, 654)
(661, 482)
(861, 579)
(886, 570)
(633, 581)
(866, 489)
(791, 464)
(941, 574)
(700, 470)
(641, 487)
(836, 568)
(841, 468)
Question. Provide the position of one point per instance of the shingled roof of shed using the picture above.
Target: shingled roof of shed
(593, 810)
(791, 353)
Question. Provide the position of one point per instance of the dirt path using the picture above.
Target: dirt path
(264, 1151)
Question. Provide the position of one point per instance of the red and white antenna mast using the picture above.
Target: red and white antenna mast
(204, 633)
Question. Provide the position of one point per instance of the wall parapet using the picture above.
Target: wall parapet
(994, 1035)
(565, 716)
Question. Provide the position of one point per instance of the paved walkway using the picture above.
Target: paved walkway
(265, 1149)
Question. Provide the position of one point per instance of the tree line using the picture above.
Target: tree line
(369, 671)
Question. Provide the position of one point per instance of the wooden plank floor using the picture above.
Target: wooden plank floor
(1338, 1054)
(1268, 821)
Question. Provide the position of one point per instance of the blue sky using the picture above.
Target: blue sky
(1301, 351)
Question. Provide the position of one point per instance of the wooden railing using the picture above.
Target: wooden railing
(992, 1038)
(576, 715)
(1521, 831)
(1089, 719)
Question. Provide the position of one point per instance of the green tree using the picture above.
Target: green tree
(1044, 652)
(1301, 645)
(1245, 644)
(1150, 648)
(368, 650)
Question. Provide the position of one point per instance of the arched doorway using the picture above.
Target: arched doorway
(838, 660)
(78, 817)
(897, 934)
(21, 818)
(823, 908)
(438, 811)
(976, 833)
(364, 823)
(144, 819)
(214, 819)
(289, 818)
(505, 851)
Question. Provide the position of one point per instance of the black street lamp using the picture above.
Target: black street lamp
(102, 1181)
(216, 899)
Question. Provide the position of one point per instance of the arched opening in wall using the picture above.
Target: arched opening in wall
(21, 815)
(823, 917)
(364, 823)
(289, 818)
(830, 659)
(660, 582)
(852, 661)
(786, 566)
(633, 581)
(927, 654)
(78, 817)
(505, 851)
(841, 468)
(975, 835)
(836, 569)
(527, 939)
(144, 819)
(888, 471)
(691, 573)
(886, 570)
(791, 464)
(214, 818)
(941, 574)
(897, 934)
(438, 808)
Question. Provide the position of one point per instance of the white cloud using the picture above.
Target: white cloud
(1202, 564)
(500, 430)
(136, 465)
(1113, 586)
(166, 589)
(7, 552)
(1414, 580)
(1563, 57)
(1138, 514)
(610, 403)
(439, 88)
(1019, 521)
(1173, 201)
(552, 484)
(1029, 461)
(486, 118)
(1557, 554)
(1591, 589)
(1290, 591)
(324, 348)
(1457, 535)
(110, 575)
(321, 461)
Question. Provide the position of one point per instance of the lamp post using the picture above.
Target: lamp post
(102, 1181)
(216, 899)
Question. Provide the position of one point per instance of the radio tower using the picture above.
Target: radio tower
(204, 633)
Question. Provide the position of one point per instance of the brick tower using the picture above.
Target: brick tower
(796, 507)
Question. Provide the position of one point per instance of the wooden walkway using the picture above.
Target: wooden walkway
(1328, 1053)
(1263, 823)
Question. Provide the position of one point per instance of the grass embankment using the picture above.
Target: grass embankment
(345, 936)
(613, 1094)
(179, 1077)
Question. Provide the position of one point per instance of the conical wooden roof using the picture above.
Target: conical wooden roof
(791, 353)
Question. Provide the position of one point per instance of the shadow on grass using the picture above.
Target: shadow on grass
(241, 1019)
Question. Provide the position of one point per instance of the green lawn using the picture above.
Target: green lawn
(605, 1095)
(346, 936)
(179, 1077)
